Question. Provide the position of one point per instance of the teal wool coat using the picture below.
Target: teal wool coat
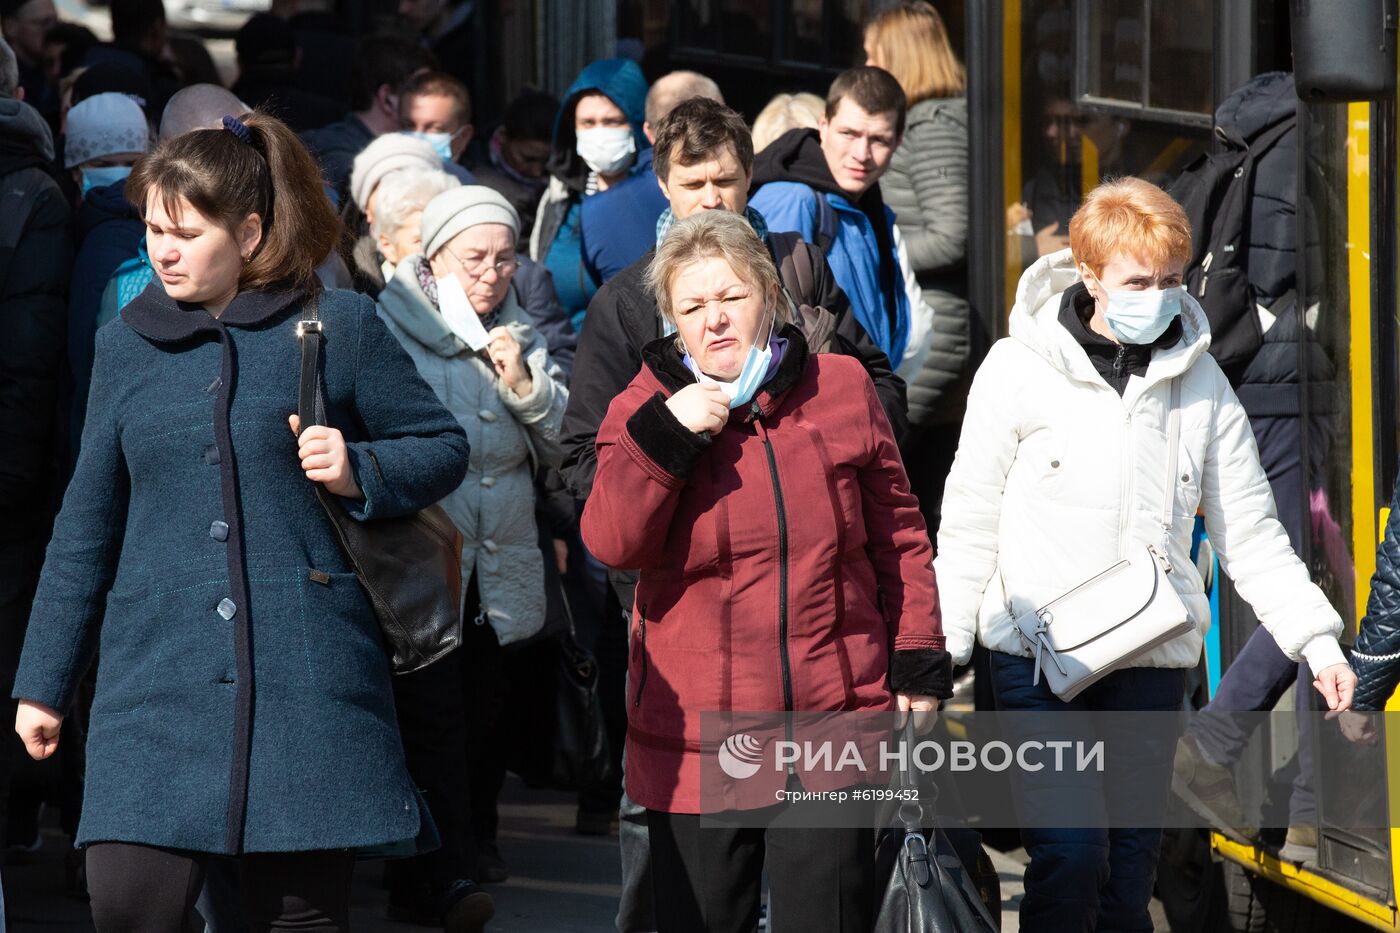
(243, 700)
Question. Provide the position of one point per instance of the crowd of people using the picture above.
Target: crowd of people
(709, 396)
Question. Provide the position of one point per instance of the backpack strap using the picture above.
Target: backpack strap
(826, 223)
(797, 266)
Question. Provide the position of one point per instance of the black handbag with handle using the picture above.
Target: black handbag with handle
(929, 890)
(411, 565)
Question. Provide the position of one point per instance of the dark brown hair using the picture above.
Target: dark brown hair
(696, 130)
(382, 60)
(437, 84)
(226, 179)
(873, 89)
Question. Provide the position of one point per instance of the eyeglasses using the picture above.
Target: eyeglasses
(504, 267)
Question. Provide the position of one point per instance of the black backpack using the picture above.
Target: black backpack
(1215, 190)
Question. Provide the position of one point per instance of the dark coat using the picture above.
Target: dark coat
(1376, 656)
(1248, 113)
(243, 700)
(36, 255)
(623, 318)
(335, 147)
(109, 232)
(279, 94)
(784, 563)
(535, 286)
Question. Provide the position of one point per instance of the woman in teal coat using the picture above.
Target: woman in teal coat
(243, 701)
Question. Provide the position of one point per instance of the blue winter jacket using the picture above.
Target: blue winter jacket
(792, 206)
(243, 700)
(557, 239)
(619, 225)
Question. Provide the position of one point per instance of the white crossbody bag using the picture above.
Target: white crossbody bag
(1116, 615)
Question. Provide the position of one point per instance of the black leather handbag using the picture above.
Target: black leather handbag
(929, 891)
(411, 566)
(558, 736)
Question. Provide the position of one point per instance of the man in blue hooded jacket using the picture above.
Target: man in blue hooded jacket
(823, 184)
(598, 143)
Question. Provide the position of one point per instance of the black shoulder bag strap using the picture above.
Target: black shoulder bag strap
(311, 407)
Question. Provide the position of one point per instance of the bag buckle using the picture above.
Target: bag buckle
(308, 327)
(1043, 647)
(916, 849)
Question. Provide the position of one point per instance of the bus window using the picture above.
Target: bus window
(1148, 57)
(1070, 139)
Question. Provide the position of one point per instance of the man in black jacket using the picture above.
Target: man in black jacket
(703, 161)
(36, 255)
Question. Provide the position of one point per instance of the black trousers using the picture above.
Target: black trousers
(709, 879)
(145, 889)
(449, 716)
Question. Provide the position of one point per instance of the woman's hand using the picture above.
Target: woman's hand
(323, 457)
(1337, 683)
(505, 354)
(925, 709)
(702, 407)
(37, 727)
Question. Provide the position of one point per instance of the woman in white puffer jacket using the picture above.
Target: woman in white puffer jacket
(1060, 472)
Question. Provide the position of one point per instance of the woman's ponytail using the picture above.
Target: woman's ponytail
(301, 228)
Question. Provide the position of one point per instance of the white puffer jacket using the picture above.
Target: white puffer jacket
(1057, 477)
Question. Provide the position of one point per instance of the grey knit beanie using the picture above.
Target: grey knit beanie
(453, 211)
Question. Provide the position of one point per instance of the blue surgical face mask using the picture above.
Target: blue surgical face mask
(1140, 317)
(102, 176)
(441, 143)
(744, 386)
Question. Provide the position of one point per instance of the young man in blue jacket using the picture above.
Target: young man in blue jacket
(822, 184)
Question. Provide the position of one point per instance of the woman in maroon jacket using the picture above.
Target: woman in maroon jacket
(784, 566)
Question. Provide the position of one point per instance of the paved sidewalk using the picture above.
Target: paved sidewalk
(560, 882)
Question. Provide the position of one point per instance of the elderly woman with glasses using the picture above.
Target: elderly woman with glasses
(784, 565)
(458, 310)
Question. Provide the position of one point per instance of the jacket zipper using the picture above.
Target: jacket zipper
(642, 646)
(782, 565)
(1119, 361)
(1126, 508)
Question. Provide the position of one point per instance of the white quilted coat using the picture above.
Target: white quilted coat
(1057, 477)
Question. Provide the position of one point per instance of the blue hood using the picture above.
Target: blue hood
(623, 83)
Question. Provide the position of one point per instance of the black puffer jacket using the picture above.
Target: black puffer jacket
(1268, 384)
(1376, 656)
(1259, 105)
(36, 261)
